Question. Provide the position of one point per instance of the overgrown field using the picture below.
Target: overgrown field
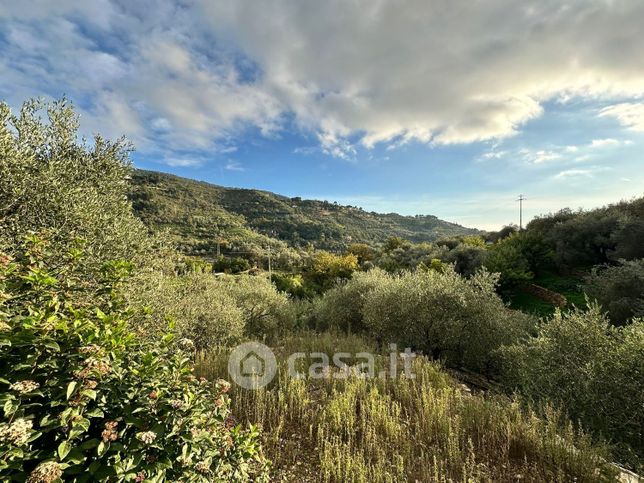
(430, 428)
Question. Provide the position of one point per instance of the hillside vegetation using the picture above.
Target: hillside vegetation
(116, 347)
(200, 214)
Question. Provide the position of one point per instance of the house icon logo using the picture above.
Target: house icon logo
(252, 365)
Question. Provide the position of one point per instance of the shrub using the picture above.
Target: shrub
(85, 399)
(619, 289)
(49, 180)
(589, 367)
(506, 258)
(326, 268)
(460, 320)
(212, 310)
(266, 311)
(195, 302)
(342, 306)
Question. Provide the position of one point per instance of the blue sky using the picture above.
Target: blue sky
(413, 106)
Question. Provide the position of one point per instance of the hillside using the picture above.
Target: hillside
(200, 215)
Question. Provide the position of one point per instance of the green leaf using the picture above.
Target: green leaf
(53, 345)
(63, 449)
(70, 389)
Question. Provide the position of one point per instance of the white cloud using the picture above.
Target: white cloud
(184, 162)
(602, 143)
(234, 166)
(187, 75)
(434, 71)
(580, 173)
(630, 115)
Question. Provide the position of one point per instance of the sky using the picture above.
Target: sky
(443, 107)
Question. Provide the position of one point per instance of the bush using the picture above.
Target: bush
(266, 311)
(619, 289)
(195, 302)
(589, 367)
(342, 306)
(85, 399)
(50, 181)
(212, 310)
(462, 321)
(506, 258)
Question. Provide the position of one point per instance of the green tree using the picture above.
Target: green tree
(49, 180)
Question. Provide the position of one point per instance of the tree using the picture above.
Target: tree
(49, 180)
(619, 289)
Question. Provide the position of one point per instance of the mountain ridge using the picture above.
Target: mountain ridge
(201, 215)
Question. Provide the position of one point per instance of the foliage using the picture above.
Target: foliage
(585, 238)
(506, 258)
(326, 268)
(460, 320)
(212, 310)
(231, 265)
(342, 307)
(267, 312)
(364, 252)
(619, 289)
(199, 215)
(49, 180)
(467, 258)
(200, 310)
(85, 399)
(392, 430)
(589, 367)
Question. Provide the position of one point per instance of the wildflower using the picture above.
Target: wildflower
(17, 432)
(146, 437)
(90, 349)
(230, 422)
(223, 385)
(4, 260)
(176, 404)
(93, 366)
(90, 384)
(45, 473)
(24, 387)
(4, 327)
(153, 395)
(202, 467)
(109, 433)
(219, 402)
(140, 476)
(186, 344)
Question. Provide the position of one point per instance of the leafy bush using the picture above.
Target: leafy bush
(619, 289)
(83, 398)
(445, 315)
(195, 302)
(326, 268)
(342, 306)
(266, 311)
(48, 180)
(589, 367)
(506, 258)
(212, 310)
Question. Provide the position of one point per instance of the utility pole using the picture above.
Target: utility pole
(520, 200)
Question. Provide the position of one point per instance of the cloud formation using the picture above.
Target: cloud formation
(194, 74)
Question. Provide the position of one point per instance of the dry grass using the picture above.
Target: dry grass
(394, 430)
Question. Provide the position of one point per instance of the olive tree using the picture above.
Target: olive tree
(50, 181)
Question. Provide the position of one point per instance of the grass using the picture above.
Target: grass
(569, 287)
(392, 430)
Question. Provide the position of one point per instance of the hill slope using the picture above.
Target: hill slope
(200, 214)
